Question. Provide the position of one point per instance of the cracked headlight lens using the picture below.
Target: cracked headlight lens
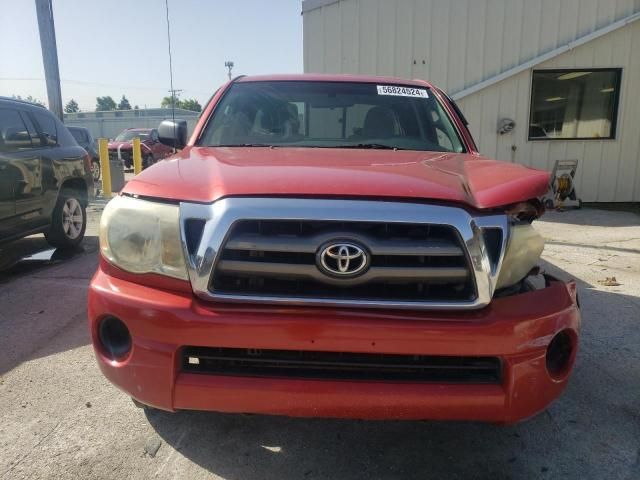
(522, 254)
(140, 236)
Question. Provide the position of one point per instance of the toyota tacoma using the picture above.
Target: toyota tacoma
(331, 246)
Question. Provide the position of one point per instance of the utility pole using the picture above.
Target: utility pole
(229, 65)
(175, 93)
(44, 10)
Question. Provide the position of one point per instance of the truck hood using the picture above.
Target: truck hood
(206, 174)
(124, 145)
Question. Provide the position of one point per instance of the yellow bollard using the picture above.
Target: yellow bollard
(137, 156)
(103, 150)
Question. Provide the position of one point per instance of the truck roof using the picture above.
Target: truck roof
(318, 77)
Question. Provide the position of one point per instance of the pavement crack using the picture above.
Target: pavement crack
(626, 240)
(596, 247)
(25, 456)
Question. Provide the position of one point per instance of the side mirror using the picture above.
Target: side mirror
(173, 133)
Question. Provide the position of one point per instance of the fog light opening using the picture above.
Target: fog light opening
(114, 337)
(560, 354)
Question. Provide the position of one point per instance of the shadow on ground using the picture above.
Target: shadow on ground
(29, 254)
(593, 431)
(43, 298)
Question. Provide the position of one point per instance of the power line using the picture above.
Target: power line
(97, 84)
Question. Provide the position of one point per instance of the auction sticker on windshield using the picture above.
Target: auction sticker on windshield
(402, 91)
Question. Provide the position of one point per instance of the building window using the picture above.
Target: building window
(574, 104)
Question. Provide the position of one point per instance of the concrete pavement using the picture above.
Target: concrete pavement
(59, 418)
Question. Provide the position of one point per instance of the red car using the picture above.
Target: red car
(152, 149)
(332, 246)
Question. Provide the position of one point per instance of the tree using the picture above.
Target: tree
(167, 102)
(191, 104)
(187, 104)
(72, 107)
(104, 104)
(124, 104)
(29, 98)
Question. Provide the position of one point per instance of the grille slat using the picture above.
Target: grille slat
(341, 365)
(282, 243)
(268, 269)
(408, 262)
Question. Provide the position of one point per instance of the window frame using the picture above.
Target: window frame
(616, 105)
(32, 129)
(24, 124)
(41, 130)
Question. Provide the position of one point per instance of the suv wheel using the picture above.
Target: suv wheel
(95, 170)
(69, 221)
(147, 161)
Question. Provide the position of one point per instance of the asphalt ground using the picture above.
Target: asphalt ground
(60, 418)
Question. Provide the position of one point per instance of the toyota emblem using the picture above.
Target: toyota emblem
(342, 259)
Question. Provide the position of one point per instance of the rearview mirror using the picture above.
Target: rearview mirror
(173, 133)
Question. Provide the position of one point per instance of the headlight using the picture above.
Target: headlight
(142, 237)
(522, 254)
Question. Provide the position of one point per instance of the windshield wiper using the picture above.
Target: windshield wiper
(245, 145)
(380, 146)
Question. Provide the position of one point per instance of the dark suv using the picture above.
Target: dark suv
(45, 176)
(85, 140)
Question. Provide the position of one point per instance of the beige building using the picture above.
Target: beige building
(567, 72)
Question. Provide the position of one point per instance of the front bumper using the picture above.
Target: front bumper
(518, 329)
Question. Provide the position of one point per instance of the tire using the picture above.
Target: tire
(141, 405)
(95, 170)
(147, 161)
(68, 221)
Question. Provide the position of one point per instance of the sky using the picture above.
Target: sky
(116, 47)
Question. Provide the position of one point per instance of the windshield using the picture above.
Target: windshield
(331, 114)
(78, 134)
(129, 135)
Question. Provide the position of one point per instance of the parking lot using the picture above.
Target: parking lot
(60, 418)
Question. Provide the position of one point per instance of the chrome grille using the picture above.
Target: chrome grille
(265, 250)
(408, 262)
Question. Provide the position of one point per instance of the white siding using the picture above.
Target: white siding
(457, 43)
(609, 169)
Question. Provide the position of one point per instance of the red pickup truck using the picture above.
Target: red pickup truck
(151, 149)
(332, 246)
